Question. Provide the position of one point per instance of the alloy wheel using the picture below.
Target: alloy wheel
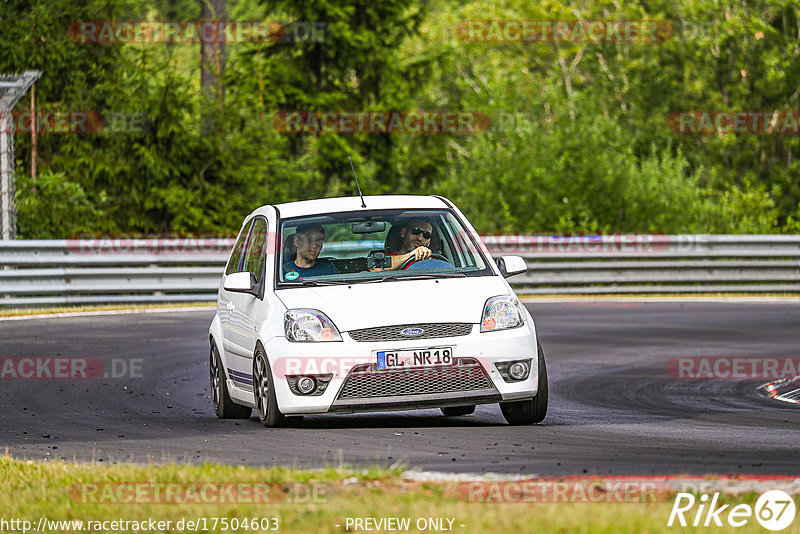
(261, 385)
(215, 382)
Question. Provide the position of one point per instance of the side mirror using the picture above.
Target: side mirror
(240, 282)
(511, 265)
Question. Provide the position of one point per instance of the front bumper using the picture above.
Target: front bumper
(366, 388)
(475, 380)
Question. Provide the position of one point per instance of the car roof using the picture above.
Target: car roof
(334, 205)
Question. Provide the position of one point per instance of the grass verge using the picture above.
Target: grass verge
(16, 312)
(301, 501)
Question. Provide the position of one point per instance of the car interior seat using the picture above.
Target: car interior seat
(393, 240)
(289, 250)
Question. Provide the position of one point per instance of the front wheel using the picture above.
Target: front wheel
(533, 410)
(264, 391)
(224, 407)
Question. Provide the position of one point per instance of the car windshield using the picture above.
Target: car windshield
(376, 246)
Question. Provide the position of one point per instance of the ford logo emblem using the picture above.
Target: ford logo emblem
(411, 331)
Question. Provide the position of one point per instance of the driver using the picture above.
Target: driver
(308, 238)
(415, 239)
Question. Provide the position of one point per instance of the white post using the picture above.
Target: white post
(6, 132)
(12, 88)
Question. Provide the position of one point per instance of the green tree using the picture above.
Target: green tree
(357, 66)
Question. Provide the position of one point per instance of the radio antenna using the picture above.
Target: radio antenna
(363, 204)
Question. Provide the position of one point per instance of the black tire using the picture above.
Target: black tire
(264, 392)
(455, 411)
(224, 407)
(531, 411)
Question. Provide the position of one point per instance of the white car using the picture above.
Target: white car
(323, 309)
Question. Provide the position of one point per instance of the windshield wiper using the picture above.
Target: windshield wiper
(395, 277)
(389, 278)
(310, 283)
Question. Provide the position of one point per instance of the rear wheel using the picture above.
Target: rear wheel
(455, 411)
(533, 410)
(264, 391)
(224, 407)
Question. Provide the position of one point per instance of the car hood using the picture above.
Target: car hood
(367, 305)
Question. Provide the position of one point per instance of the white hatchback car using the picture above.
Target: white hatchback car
(383, 303)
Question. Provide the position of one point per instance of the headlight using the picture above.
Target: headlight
(309, 325)
(501, 313)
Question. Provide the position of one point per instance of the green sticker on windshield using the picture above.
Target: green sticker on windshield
(291, 275)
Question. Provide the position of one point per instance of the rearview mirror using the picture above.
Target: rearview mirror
(240, 282)
(511, 265)
(368, 227)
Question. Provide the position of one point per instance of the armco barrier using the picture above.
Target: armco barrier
(52, 272)
(654, 263)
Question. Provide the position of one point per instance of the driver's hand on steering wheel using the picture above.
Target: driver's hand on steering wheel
(419, 253)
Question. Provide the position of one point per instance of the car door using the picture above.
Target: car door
(224, 302)
(245, 305)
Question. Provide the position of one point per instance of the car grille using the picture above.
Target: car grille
(364, 382)
(429, 330)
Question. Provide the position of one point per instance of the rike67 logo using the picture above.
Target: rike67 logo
(774, 510)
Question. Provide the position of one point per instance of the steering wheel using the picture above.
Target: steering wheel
(412, 259)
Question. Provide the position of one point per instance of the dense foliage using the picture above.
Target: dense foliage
(579, 139)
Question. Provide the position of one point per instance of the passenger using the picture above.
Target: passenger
(308, 239)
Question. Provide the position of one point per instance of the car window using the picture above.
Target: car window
(255, 256)
(238, 248)
(346, 247)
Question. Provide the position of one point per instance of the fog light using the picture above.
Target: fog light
(311, 385)
(514, 371)
(306, 385)
(518, 370)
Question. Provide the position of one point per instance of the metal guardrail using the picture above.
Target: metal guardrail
(654, 264)
(54, 272)
(101, 271)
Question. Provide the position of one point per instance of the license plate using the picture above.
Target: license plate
(409, 359)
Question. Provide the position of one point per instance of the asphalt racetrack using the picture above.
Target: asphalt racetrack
(614, 407)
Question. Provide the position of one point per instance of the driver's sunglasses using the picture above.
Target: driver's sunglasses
(417, 231)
